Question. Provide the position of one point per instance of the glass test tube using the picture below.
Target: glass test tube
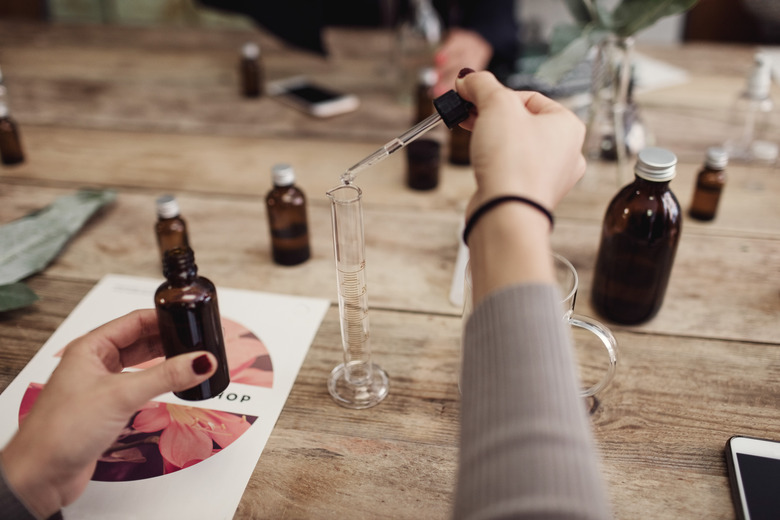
(357, 382)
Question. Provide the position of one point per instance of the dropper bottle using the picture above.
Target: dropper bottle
(751, 113)
(450, 108)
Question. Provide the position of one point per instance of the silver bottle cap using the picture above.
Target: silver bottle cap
(250, 50)
(167, 206)
(283, 175)
(717, 157)
(428, 76)
(656, 164)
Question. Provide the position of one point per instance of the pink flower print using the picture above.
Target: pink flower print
(189, 434)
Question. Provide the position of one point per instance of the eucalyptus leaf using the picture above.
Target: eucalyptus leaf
(563, 62)
(15, 296)
(29, 244)
(631, 16)
(580, 11)
(562, 35)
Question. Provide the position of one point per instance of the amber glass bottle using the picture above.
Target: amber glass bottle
(170, 228)
(709, 184)
(286, 208)
(425, 82)
(460, 140)
(10, 143)
(639, 240)
(251, 70)
(188, 317)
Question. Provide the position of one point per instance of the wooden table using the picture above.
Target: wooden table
(149, 111)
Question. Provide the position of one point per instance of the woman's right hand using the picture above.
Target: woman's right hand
(523, 143)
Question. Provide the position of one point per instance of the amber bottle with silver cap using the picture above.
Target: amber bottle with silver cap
(709, 184)
(286, 208)
(639, 240)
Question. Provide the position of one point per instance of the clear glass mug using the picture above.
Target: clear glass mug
(568, 283)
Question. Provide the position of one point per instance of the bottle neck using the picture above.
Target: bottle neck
(651, 185)
(179, 265)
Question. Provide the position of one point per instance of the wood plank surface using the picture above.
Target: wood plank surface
(147, 111)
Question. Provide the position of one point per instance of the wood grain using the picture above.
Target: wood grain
(147, 112)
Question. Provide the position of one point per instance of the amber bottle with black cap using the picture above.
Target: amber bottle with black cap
(639, 239)
(188, 318)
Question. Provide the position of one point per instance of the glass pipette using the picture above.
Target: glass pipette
(450, 108)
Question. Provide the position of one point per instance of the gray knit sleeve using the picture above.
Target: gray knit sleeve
(527, 450)
(11, 508)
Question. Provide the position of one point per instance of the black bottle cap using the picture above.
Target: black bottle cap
(452, 108)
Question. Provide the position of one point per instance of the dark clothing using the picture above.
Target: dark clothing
(300, 22)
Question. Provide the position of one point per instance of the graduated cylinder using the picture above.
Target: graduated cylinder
(357, 382)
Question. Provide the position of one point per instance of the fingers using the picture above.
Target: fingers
(477, 87)
(173, 375)
(122, 342)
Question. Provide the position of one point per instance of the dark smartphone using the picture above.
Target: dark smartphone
(313, 99)
(754, 472)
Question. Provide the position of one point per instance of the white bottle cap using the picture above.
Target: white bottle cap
(428, 76)
(760, 80)
(717, 157)
(283, 175)
(250, 50)
(656, 164)
(167, 206)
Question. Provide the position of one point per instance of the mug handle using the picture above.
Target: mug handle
(609, 342)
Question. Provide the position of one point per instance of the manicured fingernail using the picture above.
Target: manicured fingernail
(201, 365)
(464, 71)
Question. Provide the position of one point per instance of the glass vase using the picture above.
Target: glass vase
(611, 112)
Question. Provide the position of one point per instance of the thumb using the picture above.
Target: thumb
(173, 375)
(477, 87)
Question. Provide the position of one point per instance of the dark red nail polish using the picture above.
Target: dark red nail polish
(201, 365)
(464, 71)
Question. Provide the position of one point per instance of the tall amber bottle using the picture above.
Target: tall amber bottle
(709, 184)
(170, 228)
(286, 208)
(10, 143)
(639, 239)
(188, 317)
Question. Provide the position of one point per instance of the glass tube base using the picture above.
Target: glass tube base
(354, 396)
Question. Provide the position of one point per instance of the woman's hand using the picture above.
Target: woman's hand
(523, 143)
(87, 402)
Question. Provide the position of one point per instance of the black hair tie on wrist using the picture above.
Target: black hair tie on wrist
(492, 203)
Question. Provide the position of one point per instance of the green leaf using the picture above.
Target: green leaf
(560, 64)
(631, 16)
(562, 35)
(580, 11)
(29, 244)
(15, 296)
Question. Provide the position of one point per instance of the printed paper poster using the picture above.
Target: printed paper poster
(176, 458)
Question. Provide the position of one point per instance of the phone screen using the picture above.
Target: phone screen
(761, 483)
(312, 94)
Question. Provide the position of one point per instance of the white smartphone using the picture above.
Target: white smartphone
(311, 98)
(754, 472)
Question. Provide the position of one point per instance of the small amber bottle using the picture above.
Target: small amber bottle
(251, 70)
(188, 318)
(709, 184)
(639, 239)
(170, 228)
(286, 208)
(425, 83)
(460, 141)
(10, 143)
